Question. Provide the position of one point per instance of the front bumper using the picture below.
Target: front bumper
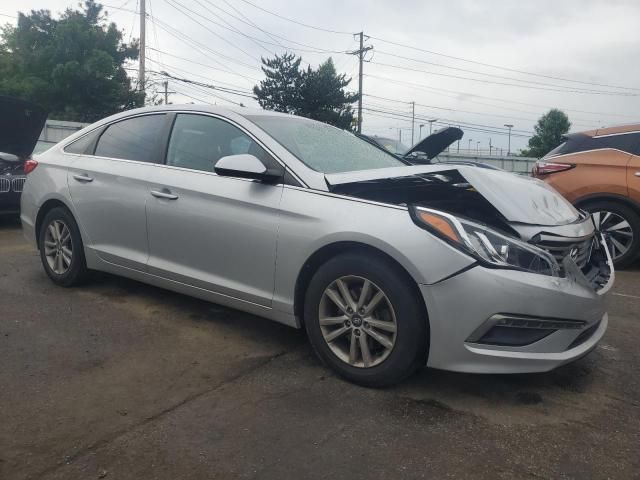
(460, 306)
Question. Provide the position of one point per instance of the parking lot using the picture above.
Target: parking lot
(121, 380)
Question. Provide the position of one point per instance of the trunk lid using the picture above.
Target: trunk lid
(518, 199)
(20, 125)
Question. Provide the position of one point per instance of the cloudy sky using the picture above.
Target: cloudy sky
(476, 64)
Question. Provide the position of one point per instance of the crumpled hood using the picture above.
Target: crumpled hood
(20, 125)
(518, 198)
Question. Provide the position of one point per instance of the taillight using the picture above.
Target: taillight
(30, 165)
(545, 168)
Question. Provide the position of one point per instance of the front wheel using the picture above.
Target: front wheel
(620, 226)
(365, 320)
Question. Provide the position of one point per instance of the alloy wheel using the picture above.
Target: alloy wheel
(58, 247)
(617, 232)
(357, 321)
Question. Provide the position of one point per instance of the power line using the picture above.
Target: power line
(195, 63)
(561, 89)
(208, 85)
(232, 86)
(523, 72)
(533, 82)
(457, 110)
(296, 21)
(313, 49)
(445, 121)
(171, 3)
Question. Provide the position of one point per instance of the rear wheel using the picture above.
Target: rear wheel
(620, 226)
(365, 321)
(61, 249)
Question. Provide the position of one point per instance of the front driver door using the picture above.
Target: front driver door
(213, 232)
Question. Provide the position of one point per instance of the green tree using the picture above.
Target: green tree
(280, 90)
(73, 66)
(323, 96)
(548, 133)
(319, 94)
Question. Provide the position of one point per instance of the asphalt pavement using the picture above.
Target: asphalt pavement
(120, 380)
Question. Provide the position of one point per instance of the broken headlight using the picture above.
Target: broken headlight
(488, 246)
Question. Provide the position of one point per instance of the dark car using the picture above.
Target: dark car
(20, 126)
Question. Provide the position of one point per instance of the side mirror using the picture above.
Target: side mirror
(246, 165)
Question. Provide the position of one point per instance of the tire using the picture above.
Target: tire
(627, 214)
(401, 305)
(74, 266)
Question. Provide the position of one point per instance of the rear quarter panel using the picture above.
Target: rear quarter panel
(47, 182)
(596, 171)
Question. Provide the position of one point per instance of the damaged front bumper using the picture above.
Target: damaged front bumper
(509, 321)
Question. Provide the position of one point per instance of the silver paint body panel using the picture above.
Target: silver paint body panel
(242, 243)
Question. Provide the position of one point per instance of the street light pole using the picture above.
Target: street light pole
(478, 147)
(421, 125)
(431, 125)
(509, 126)
(470, 140)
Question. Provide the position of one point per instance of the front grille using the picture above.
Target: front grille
(5, 185)
(18, 184)
(579, 250)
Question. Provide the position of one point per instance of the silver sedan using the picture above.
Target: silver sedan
(387, 266)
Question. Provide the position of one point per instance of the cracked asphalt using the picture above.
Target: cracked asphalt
(120, 380)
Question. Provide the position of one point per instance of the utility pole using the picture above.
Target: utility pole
(509, 126)
(166, 92)
(490, 146)
(143, 22)
(360, 52)
(413, 122)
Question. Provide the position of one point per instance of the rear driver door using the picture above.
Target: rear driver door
(109, 183)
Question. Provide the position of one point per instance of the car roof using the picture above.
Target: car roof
(620, 129)
(244, 111)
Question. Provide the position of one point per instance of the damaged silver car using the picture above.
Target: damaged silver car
(388, 266)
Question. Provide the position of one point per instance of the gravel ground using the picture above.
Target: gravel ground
(120, 380)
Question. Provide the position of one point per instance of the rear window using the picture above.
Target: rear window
(559, 150)
(83, 145)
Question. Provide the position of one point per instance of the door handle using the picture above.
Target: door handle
(83, 178)
(166, 195)
(637, 174)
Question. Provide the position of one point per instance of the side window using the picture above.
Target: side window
(133, 139)
(85, 144)
(198, 142)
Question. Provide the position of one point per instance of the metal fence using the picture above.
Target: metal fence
(510, 163)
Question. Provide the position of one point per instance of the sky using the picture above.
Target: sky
(477, 65)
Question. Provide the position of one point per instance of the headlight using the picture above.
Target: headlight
(486, 245)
